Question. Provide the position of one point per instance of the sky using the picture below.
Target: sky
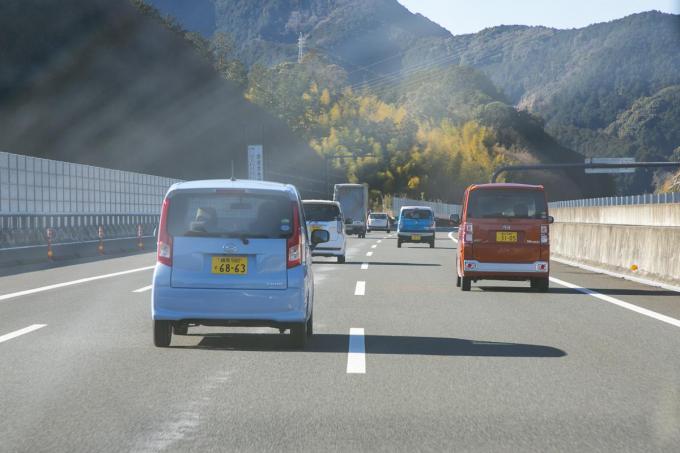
(467, 16)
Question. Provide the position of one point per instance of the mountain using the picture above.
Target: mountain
(100, 82)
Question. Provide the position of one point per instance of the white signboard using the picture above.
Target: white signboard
(255, 162)
(610, 160)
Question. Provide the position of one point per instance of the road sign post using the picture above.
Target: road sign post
(255, 162)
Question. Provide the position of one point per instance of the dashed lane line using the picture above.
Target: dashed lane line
(360, 288)
(373, 246)
(20, 332)
(143, 289)
(369, 253)
(364, 266)
(71, 283)
(356, 354)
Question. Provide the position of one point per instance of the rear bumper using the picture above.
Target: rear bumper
(477, 269)
(378, 227)
(257, 307)
(407, 236)
(329, 251)
(354, 229)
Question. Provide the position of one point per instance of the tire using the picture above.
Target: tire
(180, 329)
(162, 333)
(341, 259)
(457, 281)
(542, 285)
(466, 283)
(310, 326)
(398, 244)
(388, 231)
(432, 244)
(298, 335)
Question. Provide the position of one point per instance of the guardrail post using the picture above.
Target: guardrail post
(140, 244)
(101, 240)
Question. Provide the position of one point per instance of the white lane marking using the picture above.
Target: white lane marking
(20, 332)
(364, 266)
(360, 289)
(379, 241)
(141, 290)
(369, 253)
(620, 303)
(356, 355)
(632, 278)
(73, 282)
(373, 246)
(452, 238)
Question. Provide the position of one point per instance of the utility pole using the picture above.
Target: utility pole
(302, 41)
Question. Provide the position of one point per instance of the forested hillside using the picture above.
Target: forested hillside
(104, 83)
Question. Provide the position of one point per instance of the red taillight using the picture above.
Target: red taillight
(468, 233)
(164, 250)
(295, 242)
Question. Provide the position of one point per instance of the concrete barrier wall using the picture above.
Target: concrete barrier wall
(641, 214)
(619, 237)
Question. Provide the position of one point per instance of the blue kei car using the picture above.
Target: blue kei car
(233, 253)
(416, 224)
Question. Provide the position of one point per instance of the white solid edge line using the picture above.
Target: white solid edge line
(364, 266)
(612, 300)
(356, 354)
(73, 282)
(18, 333)
(369, 253)
(360, 288)
(620, 303)
(632, 278)
(141, 290)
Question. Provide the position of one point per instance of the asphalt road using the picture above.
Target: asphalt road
(500, 368)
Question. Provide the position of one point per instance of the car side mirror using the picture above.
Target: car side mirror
(319, 237)
(551, 219)
(455, 219)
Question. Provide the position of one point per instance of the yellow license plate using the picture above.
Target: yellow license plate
(506, 236)
(230, 265)
(415, 237)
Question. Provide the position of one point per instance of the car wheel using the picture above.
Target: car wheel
(310, 326)
(162, 333)
(368, 231)
(457, 282)
(341, 259)
(298, 334)
(398, 244)
(466, 283)
(540, 284)
(180, 329)
(432, 244)
(388, 231)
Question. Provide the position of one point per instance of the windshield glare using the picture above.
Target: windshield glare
(226, 215)
(520, 204)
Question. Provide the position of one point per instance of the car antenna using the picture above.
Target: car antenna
(232, 170)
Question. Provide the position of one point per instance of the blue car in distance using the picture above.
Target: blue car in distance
(233, 253)
(416, 224)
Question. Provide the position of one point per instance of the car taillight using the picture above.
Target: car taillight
(468, 233)
(295, 241)
(164, 250)
(545, 235)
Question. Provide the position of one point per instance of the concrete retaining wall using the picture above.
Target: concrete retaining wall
(618, 237)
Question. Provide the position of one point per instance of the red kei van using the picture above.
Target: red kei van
(504, 235)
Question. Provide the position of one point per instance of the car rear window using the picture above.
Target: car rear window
(230, 215)
(377, 216)
(417, 214)
(321, 212)
(503, 203)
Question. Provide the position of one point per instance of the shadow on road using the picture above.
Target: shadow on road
(379, 263)
(375, 344)
(606, 291)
